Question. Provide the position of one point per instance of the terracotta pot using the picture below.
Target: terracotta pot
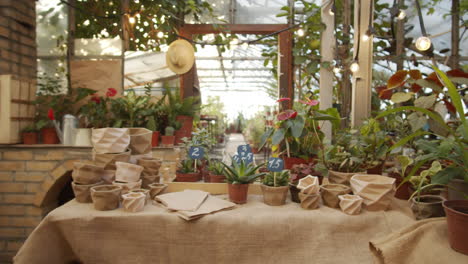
(82, 191)
(274, 195)
(144, 191)
(106, 197)
(156, 189)
(341, 177)
(110, 140)
(290, 161)
(127, 186)
(457, 189)
(84, 173)
(155, 139)
(350, 204)
(149, 179)
(133, 202)
(427, 206)
(402, 192)
(238, 193)
(457, 222)
(330, 193)
(181, 133)
(309, 201)
(49, 136)
(127, 172)
(375, 190)
(108, 160)
(217, 178)
(187, 177)
(294, 193)
(140, 140)
(186, 121)
(376, 170)
(167, 141)
(29, 138)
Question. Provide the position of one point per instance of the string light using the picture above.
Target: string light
(354, 66)
(401, 14)
(300, 32)
(131, 20)
(245, 45)
(423, 43)
(160, 34)
(234, 42)
(336, 70)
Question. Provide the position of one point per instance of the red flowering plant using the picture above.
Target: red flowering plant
(96, 112)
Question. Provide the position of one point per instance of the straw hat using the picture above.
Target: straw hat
(180, 56)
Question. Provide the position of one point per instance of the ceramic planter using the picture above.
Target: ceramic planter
(108, 160)
(147, 180)
(156, 189)
(350, 204)
(106, 197)
(82, 191)
(309, 185)
(49, 136)
(167, 141)
(309, 201)
(375, 190)
(108, 176)
(274, 195)
(187, 177)
(457, 189)
(140, 140)
(127, 172)
(84, 173)
(127, 186)
(144, 191)
(457, 222)
(238, 193)
(330, 193)
(427, 206)
(110, 140)
(217, 178)
(341, 177)
(155, 139)
(151, 165)
(133, 202)
(29, 138)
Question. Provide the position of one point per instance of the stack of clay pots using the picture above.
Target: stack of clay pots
(84, 177)
(127, 176)
(150, 173)
(310, 192)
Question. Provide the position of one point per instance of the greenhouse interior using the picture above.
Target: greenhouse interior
(234, 131)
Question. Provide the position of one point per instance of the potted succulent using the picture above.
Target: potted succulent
(239, 176)
(188, 171)
(275, 187)
(216, 169)
(168, 139)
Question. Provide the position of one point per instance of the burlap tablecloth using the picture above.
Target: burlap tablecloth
(250, 233)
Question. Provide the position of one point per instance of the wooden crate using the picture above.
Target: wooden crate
(16, 108)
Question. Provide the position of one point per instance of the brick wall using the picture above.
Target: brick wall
(18, 38)
(31, 179)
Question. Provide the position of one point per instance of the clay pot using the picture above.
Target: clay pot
(376, 169)
(84, 173)
(82, 191)
(238, 193)
(289, 162)
(294, 193)
(156, 189)
(457, 189)
(147, 180)
(155, 139)
(127, 186)
(402, 192)
(330, 193)
(110, 139)
(427, 206)
(127, 172)
(375, 190)
(49, 136)
(108, 176)
(30, 138)
(133, 202)
(106, 197)
(217, 178)
(140, 140)
(341, 177)
(187, 177)
(350, 204)
(457, 222)
(274, 195)
(144, 191)
(186, 121)
(309, 201)
(167, 141)
(108, 160)
(180, 134)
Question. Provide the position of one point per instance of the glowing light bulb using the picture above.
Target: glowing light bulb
(401, 14)
(331, 11)
(336, 70)
(131, 20)
(365, 37)
(234, 42)
(423, 43)
(300, 32)
(245, 45)
(160, 34)
(354, 66)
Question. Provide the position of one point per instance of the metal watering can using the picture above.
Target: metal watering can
(74, 136)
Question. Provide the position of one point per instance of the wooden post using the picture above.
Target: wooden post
(362, 79)
(455, 49)
(344, 55)
(187, 80)
(327, 50)
(285, 69)
(124, 35)
(70, 41)
(400, 39)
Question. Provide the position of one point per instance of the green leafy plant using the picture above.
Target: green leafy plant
(188, 166)
(169, 131)
(131, 110)
(276, 179)
(241, 172)
(216, 167)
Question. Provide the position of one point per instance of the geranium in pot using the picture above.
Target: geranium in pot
(238, 176)
(275, 187)
(188, 171)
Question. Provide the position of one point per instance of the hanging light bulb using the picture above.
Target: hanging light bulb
(401, 14)
(160, 34)
(354, 66)
(300, 32)
(331, 11)
(336, 70)
(423, 43)
(234, 42)
(131, 20)
(365, 37)
(245, 45)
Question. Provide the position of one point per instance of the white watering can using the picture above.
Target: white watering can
(74, 136)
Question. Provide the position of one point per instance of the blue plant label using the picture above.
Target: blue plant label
(236, 158)
(275, 164)
(196, 152)
(248, 158)
(244, 149)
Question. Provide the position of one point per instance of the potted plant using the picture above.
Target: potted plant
(299, 171)
(30, 134)
(187, 171)
(216, 169)
(168, 139)
(151, 125)
(239, 176)
(275, 187)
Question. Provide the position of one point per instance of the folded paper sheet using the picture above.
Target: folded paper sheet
(188, 200)
(210, 205)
